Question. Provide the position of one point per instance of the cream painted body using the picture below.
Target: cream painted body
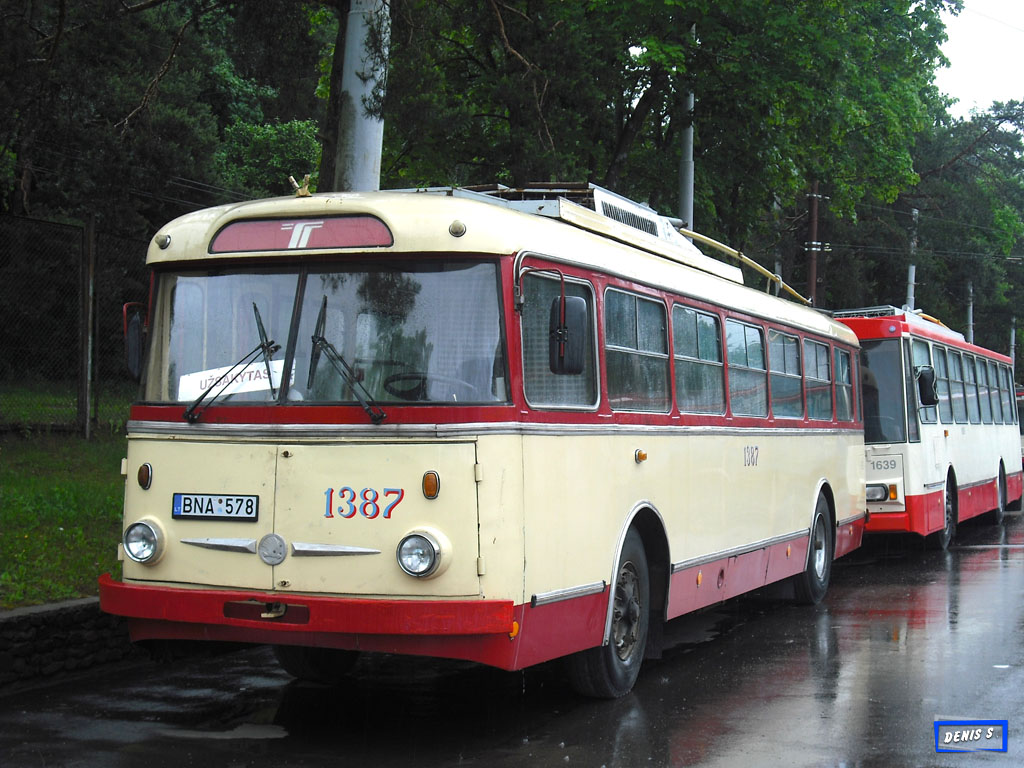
(525, 513)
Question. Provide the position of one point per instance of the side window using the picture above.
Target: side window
(784, 363)
(983, 392)
(971, 391)
(636, 351)
(844, 386)
(1005, 398)
(993, 391)
(819, 380)
(956, 388)
(922, 356)
(748, 385)
(942, 386)
(544, 388)
(910, 395)
(697, 346)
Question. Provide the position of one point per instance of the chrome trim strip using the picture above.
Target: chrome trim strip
(224, 545)
(288, 432)
(303, 549)
(851, 519)
(936, 484)
(737, 551)
(546, 598)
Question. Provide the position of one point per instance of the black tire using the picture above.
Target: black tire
(811, 585)
(329, 666)
(997, 515)
(942, 539)
(610, 671)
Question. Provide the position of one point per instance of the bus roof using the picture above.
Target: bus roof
(892, 322)
(460, 221)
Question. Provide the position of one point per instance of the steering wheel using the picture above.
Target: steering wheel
(417, 382)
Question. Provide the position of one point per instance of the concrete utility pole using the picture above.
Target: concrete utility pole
(813, 246)
(912, 269)
(911, 275)
(970, 311)
(360, 136)
(686, 162)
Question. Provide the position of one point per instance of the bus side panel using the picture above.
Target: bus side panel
(558, 629)
(977, 499)
(1014, 486)
(700, 586)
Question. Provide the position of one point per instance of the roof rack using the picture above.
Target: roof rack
(603, 212)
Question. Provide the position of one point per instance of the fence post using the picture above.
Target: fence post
(87, 324)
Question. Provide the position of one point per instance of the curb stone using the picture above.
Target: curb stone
(47, 640)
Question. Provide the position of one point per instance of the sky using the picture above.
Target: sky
(985, 47)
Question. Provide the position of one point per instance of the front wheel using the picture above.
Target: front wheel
(811, 585)
(328, 666)
(999, 513)
(609, 671)
(945, 537)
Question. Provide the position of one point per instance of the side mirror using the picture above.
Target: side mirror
(134, 338)
(566, 341)
(927, 394)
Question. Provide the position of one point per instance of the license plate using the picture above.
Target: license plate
(215, 506)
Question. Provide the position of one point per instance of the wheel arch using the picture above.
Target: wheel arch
(650, 525)
(825, 489)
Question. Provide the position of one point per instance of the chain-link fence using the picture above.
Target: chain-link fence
(61, 349)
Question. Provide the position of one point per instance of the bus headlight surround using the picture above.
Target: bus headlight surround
(424, 553)
(143, 542)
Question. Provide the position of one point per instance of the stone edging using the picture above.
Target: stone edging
(47, 640)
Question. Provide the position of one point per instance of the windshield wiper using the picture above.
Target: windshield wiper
(265, 345)
(266, 348)
(321, 344)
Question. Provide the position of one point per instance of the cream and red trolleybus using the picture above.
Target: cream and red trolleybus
(502, 427)
(940, 424)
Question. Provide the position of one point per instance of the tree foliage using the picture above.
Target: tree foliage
(139, 110)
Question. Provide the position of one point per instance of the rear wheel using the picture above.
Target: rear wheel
(811, 585)
(329, 666)
(609, 671)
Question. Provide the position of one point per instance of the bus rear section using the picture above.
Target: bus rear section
(940, 425)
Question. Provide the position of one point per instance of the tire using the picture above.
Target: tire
(811, 585)
(942, 539)
(997, 515)
(610, 671)
(328, 666)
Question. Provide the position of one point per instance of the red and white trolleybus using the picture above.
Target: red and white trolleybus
(498, 427)
(940, 424)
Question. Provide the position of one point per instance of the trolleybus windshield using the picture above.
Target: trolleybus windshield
(884, 413)
(346, 333)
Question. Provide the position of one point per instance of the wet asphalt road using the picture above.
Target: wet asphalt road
(905, 636)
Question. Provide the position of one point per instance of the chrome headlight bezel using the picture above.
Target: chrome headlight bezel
(143, 542)
(423, 553)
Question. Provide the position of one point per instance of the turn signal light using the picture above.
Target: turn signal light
(431, 484)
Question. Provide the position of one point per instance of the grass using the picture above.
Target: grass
(40, 403)
(60, 516)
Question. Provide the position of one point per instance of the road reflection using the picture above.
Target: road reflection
(904, 636)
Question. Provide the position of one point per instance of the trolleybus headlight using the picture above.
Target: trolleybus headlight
(877, 493)
(143, 542)
(423, 553)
